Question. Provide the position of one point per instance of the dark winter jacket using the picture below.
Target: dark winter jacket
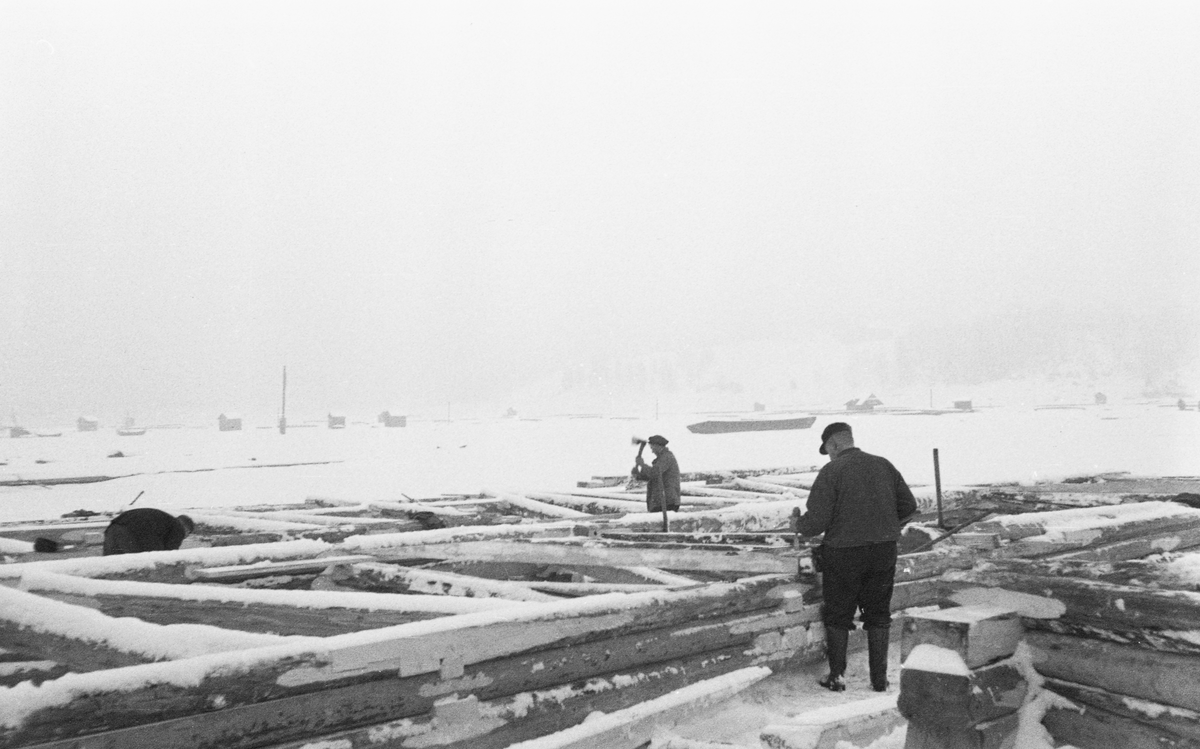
(858, 499)
(144, 529)
(663, 478)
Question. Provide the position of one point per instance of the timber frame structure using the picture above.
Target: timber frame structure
(487, 620)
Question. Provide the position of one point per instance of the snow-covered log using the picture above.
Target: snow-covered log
(583, 551)
(390, 578)
(357, 673)
(1133, 672)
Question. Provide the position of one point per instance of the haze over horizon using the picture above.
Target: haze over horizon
(410, 205)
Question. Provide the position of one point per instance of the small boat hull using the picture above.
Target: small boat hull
(750, 425)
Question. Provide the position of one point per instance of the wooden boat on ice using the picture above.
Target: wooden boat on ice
(723, 426)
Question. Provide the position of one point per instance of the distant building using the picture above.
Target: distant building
(336, 421)
(866, 405)
(18, 432)
(388, 420)
(963, 405)
(87, 424)
(760, 406)
(1101, 399)
(229, 423)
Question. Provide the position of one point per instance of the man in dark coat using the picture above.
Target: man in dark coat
(662, 475)
(860, 502)
(145, 529)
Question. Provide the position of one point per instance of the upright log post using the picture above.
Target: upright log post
(937, 485)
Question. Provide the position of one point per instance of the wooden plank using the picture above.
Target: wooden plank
(611, 555)
(1124, 669)
(357, 680)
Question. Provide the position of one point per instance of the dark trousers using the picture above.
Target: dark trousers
(858, 577)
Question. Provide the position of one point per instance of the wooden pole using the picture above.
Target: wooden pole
(937, 485)
(283, 406)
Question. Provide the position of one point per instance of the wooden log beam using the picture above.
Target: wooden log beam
(629, 706)
(1181, 723)
(352, 679)
(936, 696)
(589, 505)
(763, 487)
(612, 553)
(689, 490)
(1166, 678)
(391, 578)
(779, 540)
(1097, 727)
(259, 617)
(660, 576)
(541, 508)
(239, 572)
(1088, 526)
(789, 481)
(1093, 602)
(32, 672)
(167, 566)
(88, 640)
(934, 563)
(1135, 548)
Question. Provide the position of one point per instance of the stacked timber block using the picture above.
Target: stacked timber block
(959, 688)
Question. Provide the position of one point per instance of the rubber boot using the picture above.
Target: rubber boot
(835, 650)
(877, 658)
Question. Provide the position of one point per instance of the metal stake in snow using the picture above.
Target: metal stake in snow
(937, 486)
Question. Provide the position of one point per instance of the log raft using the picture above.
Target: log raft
(513, 615)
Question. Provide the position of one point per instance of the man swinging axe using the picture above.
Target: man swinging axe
(662, 476)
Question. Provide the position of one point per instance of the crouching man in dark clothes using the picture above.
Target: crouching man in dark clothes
(662, 475)
(145, 529)
(860, 502)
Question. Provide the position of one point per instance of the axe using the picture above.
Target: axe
(641, 444)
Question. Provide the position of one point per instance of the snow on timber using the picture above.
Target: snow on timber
(19, 701)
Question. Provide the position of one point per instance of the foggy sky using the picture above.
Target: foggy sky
(414, 203)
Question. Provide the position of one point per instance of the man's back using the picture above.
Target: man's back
(143, 529)
(858, 499)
